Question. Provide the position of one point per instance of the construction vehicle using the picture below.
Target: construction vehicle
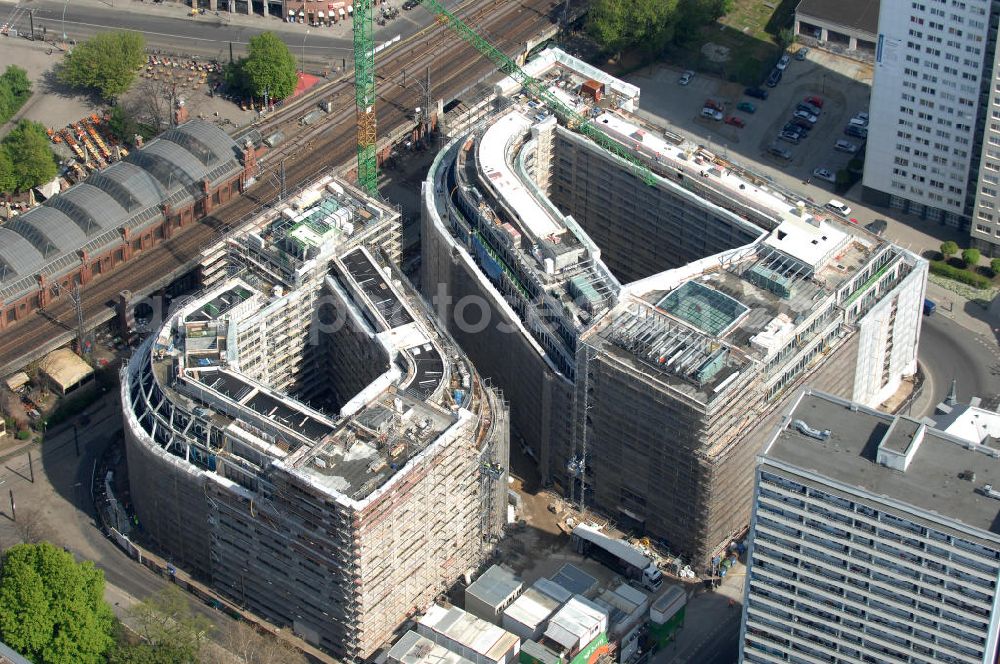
(619, 555)
(567, 115)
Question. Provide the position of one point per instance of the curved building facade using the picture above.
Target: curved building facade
(647, 336)
(303, 436)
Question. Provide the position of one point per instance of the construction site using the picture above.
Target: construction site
(647, 307)
(304, 436)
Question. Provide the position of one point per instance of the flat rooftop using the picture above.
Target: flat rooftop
(390, 421)
(933, 481)
(413, 648)
(479, 636)
(357, 458)
(369, 279)
(660, 153)
(534, 218)
(856, 14)
(556, 63)
(221, 304)
(811, 242)
(495, 586)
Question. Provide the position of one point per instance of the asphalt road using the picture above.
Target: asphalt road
(59, 501)
(947, 351)
(205, 35)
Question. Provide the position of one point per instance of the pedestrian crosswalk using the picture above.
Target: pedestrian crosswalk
(12, 19)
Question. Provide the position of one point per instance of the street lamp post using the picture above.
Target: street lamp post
(65, 5)
(303, 59)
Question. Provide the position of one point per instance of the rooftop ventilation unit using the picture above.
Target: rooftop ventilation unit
(989, 491)
(807, 430)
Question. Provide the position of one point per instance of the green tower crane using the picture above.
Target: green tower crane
(364, 95)
(570, 117)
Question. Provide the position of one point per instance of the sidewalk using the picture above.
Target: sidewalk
(174, 9)
(969, 314)
(710, 616)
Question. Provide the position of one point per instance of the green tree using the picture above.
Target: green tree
(8, 103)
(15, 88)
(786, 37)
(971, 257)
(269, 70)
(27, 147)
(649, 24)
(8, 180)
(694, 14)
(168, 627)
(16, 80)
(145, 653)
(948, 249)
(122, 125)
(107, 62)
(52, 608)
(995, 266)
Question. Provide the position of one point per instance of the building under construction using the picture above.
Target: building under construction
(303, 435)
(647, 335)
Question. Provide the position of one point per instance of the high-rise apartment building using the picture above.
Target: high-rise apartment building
(934, 136)
(875, 538)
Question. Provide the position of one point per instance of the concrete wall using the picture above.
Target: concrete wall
(541, 399)
(640, 229)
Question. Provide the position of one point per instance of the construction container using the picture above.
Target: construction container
(593, 89)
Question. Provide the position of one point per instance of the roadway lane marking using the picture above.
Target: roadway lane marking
(165, 34)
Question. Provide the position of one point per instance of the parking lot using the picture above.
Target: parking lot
(843, 86)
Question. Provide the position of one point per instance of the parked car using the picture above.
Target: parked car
(746, 107)
(809, 108)
(824, 174)
(790, 136)
(815, 100)
(801, 124)
(877, 227)
(802, 53)
(686, 77)
(862, 118)
(929, 307)
(805, 115)
(757, 93)
(780, 152)
(796, 129)
(410, 4)
(857, 132)
(839, 209)
(717, 105)
(711, 114)
(845, 146)
(736, 121)
(783, 62)
(774, 78)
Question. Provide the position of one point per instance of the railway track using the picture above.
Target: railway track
(308, 152)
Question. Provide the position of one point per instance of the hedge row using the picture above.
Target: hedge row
(975, 280)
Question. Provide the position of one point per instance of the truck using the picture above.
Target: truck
(619, 555)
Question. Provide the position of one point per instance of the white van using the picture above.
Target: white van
(839, 209)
